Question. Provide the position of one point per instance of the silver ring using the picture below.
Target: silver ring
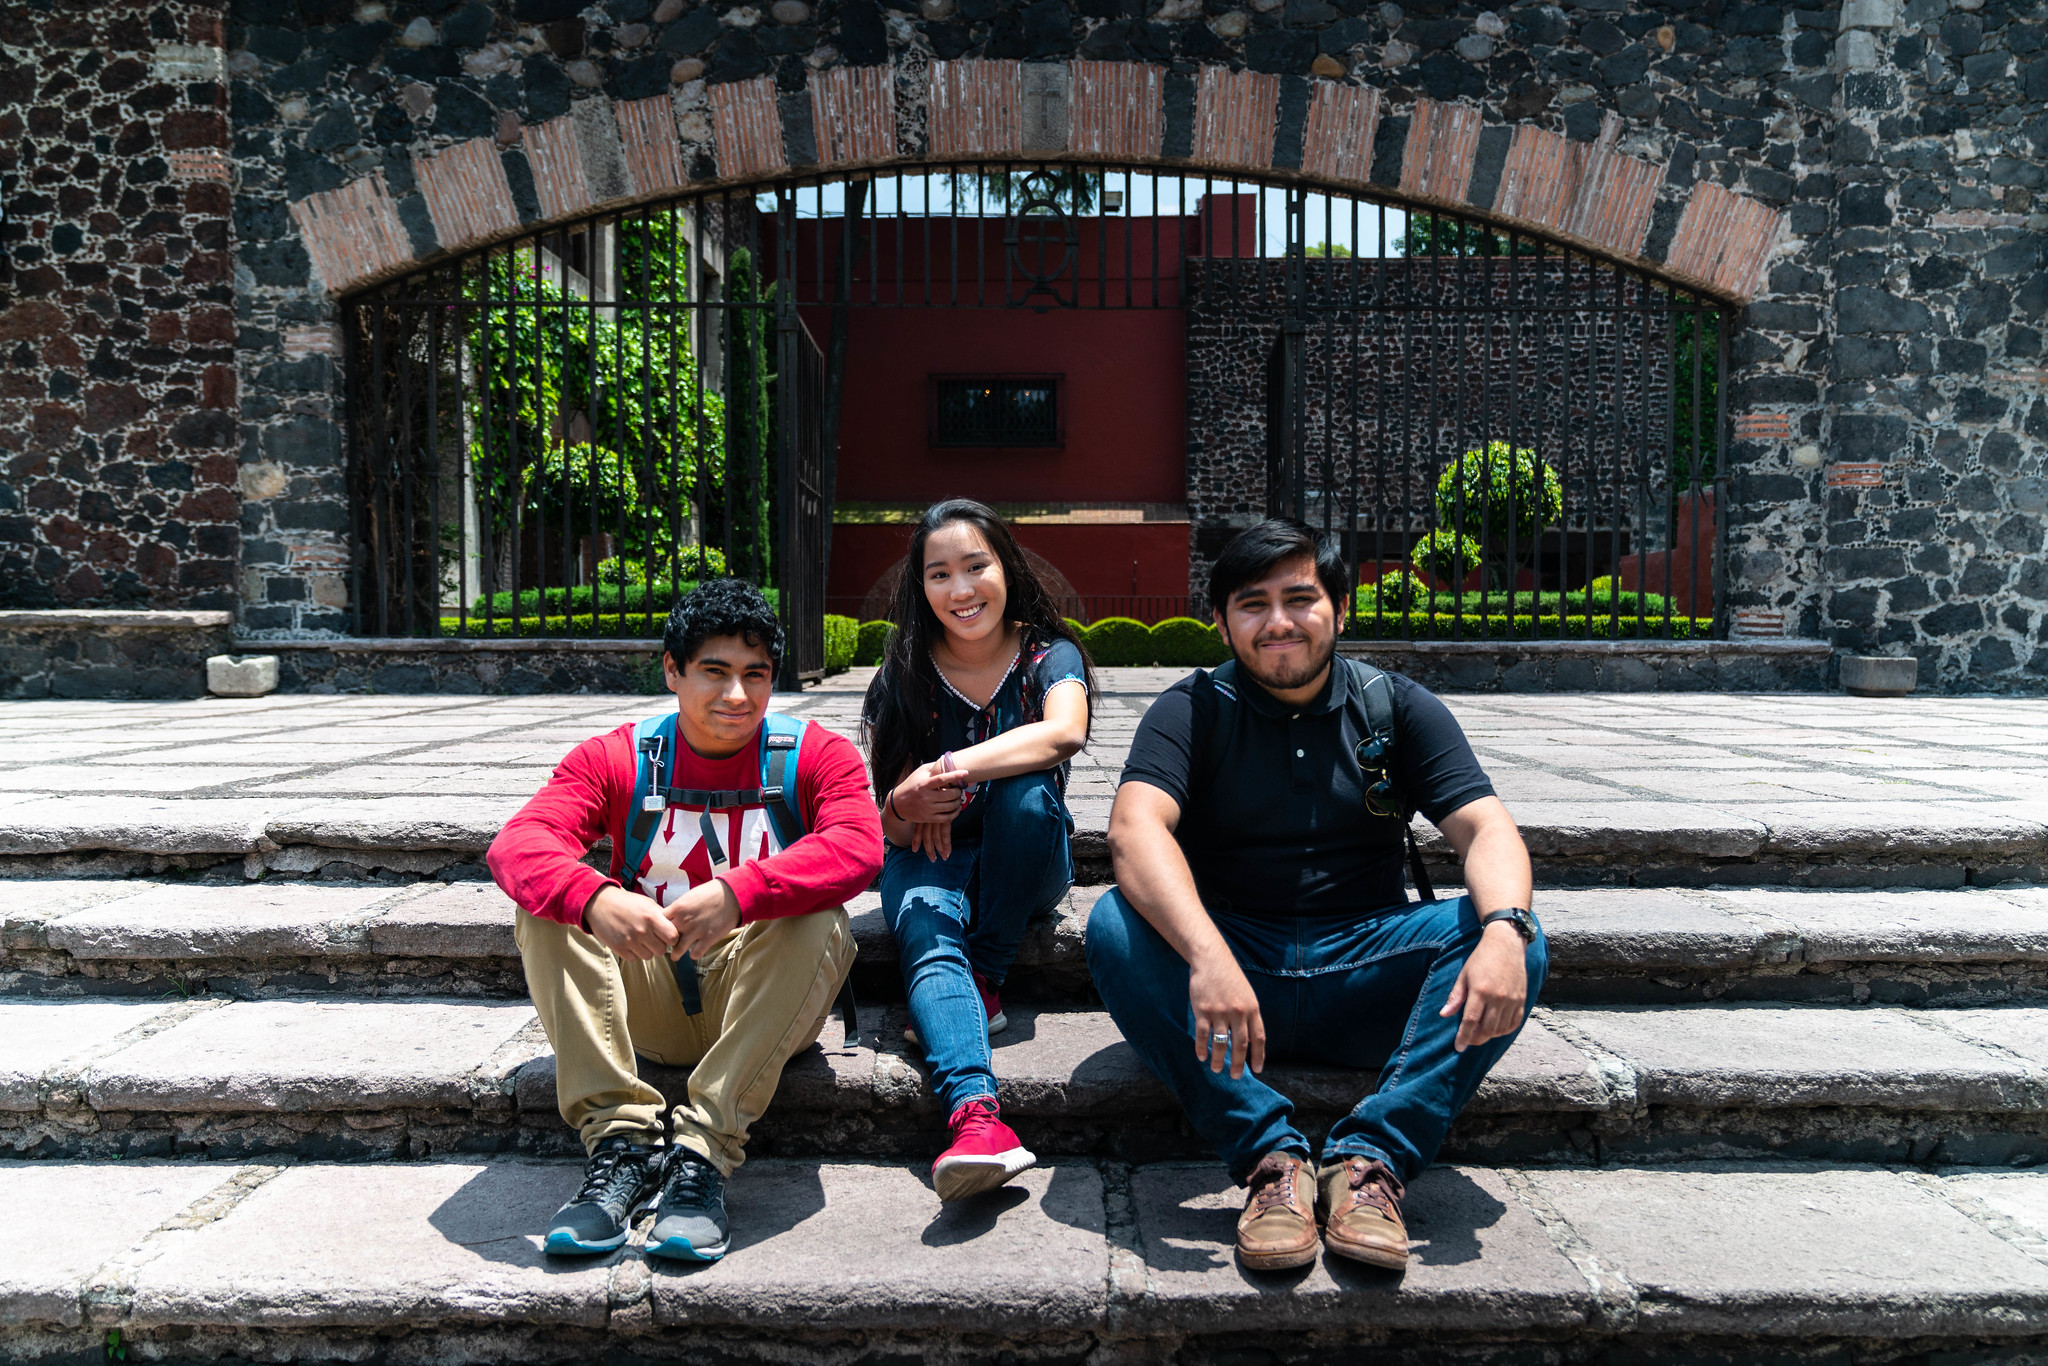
(1219, 1038)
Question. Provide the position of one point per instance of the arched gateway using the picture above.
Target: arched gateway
(558, 423)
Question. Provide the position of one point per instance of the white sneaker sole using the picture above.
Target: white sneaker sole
(956, 1178)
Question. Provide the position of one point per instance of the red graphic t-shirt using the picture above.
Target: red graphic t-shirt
(538, 857)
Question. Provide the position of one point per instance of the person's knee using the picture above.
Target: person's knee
(1108, 937)
(818, 937)
(1025, 797)
(927, 932)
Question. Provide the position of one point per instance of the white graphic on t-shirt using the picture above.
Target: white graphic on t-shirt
(677, 859)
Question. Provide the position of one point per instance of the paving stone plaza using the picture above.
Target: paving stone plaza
(1787, 1090)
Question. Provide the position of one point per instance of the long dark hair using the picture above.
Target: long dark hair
(898, 724)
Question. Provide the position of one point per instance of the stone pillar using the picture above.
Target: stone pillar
(1938, 475)
(118, 407)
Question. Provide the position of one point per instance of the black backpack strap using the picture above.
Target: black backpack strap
(781, 742)
(1376, 691)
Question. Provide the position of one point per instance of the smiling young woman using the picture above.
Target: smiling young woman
(970, 723)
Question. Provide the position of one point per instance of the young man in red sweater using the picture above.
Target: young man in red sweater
(716, 909)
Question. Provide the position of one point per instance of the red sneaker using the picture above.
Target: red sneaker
(991, 1005)
(986, 1152)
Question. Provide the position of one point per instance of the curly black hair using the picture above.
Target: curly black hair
(721, 607)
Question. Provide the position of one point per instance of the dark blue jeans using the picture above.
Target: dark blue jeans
(967, 914)
(1356, 992)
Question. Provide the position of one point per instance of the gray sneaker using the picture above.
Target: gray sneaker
(692, 1227)
(621, 1179)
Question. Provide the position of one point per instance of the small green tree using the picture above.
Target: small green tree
(1501, 498)
(1447, 556)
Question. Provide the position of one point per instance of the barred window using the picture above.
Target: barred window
(996, 410)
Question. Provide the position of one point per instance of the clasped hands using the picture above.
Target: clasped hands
(929, 798)
(639, 927)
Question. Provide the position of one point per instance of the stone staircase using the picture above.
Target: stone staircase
(1782, 1097)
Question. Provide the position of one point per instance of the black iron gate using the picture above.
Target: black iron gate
(556, 435)
(560, 434)
(1507, 437)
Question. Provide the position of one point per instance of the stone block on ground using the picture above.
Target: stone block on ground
(196, 920)
(311, 1055)
(461, 920)
(1724, 1248)
(42, 1034)
(869, 1246)
(241, 675)
(373, 1245)
(71, 1218)
(1480, 1261)
(1771, 1056)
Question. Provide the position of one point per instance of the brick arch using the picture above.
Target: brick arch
(1342, 138)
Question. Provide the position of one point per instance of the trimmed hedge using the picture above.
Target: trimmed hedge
(873, 643)
(842, 643)
(1117, 641)
(1185, 643)
(632, 598)
(609, 626)
(1472, 626)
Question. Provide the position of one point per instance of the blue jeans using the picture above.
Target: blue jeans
(967, 914)
(1357, 992)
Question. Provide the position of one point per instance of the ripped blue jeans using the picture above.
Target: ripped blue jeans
(1358, 991)
(967, 914)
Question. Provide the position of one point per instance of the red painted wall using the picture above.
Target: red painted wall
(1123, 391)
(1123, 399)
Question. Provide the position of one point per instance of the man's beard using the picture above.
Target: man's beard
(1286, 678)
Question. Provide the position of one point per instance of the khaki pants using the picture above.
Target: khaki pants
(766, 989)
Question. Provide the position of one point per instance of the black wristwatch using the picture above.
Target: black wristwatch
(1519, 917)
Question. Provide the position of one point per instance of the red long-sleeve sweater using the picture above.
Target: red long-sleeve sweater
(538, 857)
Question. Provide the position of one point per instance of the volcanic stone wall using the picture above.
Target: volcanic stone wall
(1862, 175)
(117, 309)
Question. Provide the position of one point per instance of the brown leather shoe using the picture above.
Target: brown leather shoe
(1278, 1227)
(1359, 1202)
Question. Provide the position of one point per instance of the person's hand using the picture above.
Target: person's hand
(1493, 988)
(702, 916)
(930, 794)
(629, 924)
(935, 838)
(1225, 1004)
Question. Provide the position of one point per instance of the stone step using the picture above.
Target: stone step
(142, 937)
(1077, 1260)
(354, 1078)
(1623, 842)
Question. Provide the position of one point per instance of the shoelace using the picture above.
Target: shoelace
(602, 1174)
(691, 1181)
(973, 1119)
(1372, 1184)
(1277, 1191)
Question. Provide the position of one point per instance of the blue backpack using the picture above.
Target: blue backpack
(782, 738)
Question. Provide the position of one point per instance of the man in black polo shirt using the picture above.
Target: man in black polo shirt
(1260, 911)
